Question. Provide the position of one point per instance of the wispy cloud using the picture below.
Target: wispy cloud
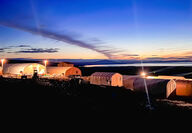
(38, 50)
(133, 55)
(110, 53)
(20, 46)
(3, 49)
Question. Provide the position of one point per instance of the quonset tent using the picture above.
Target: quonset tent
(128, 81)
(106, 78)
(156, 87)
(63, 71)
(23, 69)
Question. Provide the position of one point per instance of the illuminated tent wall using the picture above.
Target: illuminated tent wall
(106, 78)
(180, 85)
(128, 81)
(156, 87)
(63, 71)
(0, 71)
(184, 88)
(23, 69)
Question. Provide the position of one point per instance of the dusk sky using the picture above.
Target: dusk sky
(96, 29)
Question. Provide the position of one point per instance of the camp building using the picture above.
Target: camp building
(107, 79)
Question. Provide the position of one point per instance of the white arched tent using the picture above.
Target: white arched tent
(23, 69)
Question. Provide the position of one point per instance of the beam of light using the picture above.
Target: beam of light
(162, 69)
(110, 53)
(184, 74)
(34, 12)
(135, 14)
(45, 62)
(145, 84)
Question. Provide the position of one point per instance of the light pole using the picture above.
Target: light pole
(45, 62)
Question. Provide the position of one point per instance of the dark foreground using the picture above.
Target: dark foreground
(50, 98)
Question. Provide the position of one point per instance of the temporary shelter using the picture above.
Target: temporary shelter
(159, 87)
(63, 71)
(128, 81)
(106, 78)
(23, 69)
(0, 71)
(184, 88)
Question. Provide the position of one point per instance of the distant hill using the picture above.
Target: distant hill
(82, 62)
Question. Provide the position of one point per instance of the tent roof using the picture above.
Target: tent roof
(64, 69)
(104, 74)
(20, 65)
(17, 67)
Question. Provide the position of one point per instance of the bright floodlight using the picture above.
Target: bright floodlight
(143, 74)
(2, 60)
(45, 61)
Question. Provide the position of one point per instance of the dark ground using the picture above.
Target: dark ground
(50, 98)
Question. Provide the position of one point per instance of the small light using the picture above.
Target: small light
(2, 60)
(143, 74)
(45, 61)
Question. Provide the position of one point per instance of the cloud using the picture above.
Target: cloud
(3, 50)
(183, 58)
(61, 37)
(130, 55)
(38, 50)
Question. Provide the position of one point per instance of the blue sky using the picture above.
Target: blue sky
(115, 29)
